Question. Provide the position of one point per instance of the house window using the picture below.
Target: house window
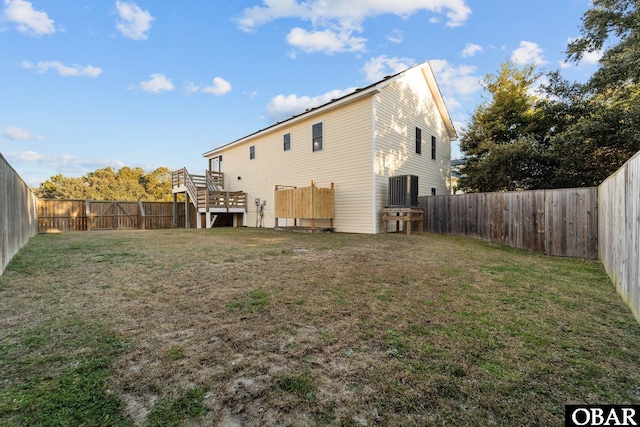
(418, 141)
(287, 141)
(433, 147)
(433, 191)
(317, 137)
(252, 152)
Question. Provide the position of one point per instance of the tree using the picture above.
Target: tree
(598, 121)
(126, 184)
(576, 134)
(62, 187)
(505, 142)
(610, 21)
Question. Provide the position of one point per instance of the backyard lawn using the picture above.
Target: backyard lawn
(254, 327)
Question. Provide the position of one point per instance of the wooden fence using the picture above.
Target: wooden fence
(619, 231)
(85, 215)
(18, 216)
(554, 222)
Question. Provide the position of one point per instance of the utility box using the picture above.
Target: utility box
(403, 191)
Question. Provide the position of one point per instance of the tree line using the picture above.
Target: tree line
(125, 184)
(565, 134)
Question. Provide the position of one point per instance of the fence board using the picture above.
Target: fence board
(83, 215)
(619, 231)
(18, 214)
(555, 222)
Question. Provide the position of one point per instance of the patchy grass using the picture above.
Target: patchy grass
(256, 327)
(55, 374)
(167, 412)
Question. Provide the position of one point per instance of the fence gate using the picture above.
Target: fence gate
(114, 215)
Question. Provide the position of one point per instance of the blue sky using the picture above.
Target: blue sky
(88, 84)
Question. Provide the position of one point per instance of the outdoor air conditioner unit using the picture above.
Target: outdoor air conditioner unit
(403, 191)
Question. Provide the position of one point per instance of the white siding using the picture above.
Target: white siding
(399, 108)
(345, 160)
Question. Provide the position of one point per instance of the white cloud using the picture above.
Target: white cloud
(349, 11)
(528, 53)
(285, 106)
(158, 83)
(335, 21)
(471, 49)
(219, 88)
(396, 36)
(24, 157)
(63, 70)
(377, 68)
(28, 20)
(18, 134)
(327, 41)
(455, 82)
(134, 22)
(592, 57)
(63, 163)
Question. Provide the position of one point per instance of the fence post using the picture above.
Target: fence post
(87, 208)
(140, 215)
(187, 217)
(174, 219)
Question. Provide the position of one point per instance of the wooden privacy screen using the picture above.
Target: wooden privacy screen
(305, 203)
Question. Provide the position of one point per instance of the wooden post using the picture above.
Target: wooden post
(331, 221)
(140, 216)
(87, 204)
(115, 216)
(174, 219)
(275, 208)
(187, 217)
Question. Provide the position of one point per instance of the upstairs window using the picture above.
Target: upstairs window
(252, 152)
(433, 191)
(418, 141)
(317, 137)
(287, 141)
(433, 147)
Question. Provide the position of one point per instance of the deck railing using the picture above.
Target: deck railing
(206, 190)
(222, 200)
(214, 181)
(192, 189)
(177, 177)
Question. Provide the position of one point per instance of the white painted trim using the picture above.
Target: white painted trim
(222, 210)
(374, 189)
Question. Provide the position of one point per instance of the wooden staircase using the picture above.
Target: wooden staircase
(207, 194)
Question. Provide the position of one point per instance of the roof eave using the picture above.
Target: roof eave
(427, 72)
(370, 91)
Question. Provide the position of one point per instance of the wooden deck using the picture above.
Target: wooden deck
(207, 194)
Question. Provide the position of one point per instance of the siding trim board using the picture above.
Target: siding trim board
(374, 203)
